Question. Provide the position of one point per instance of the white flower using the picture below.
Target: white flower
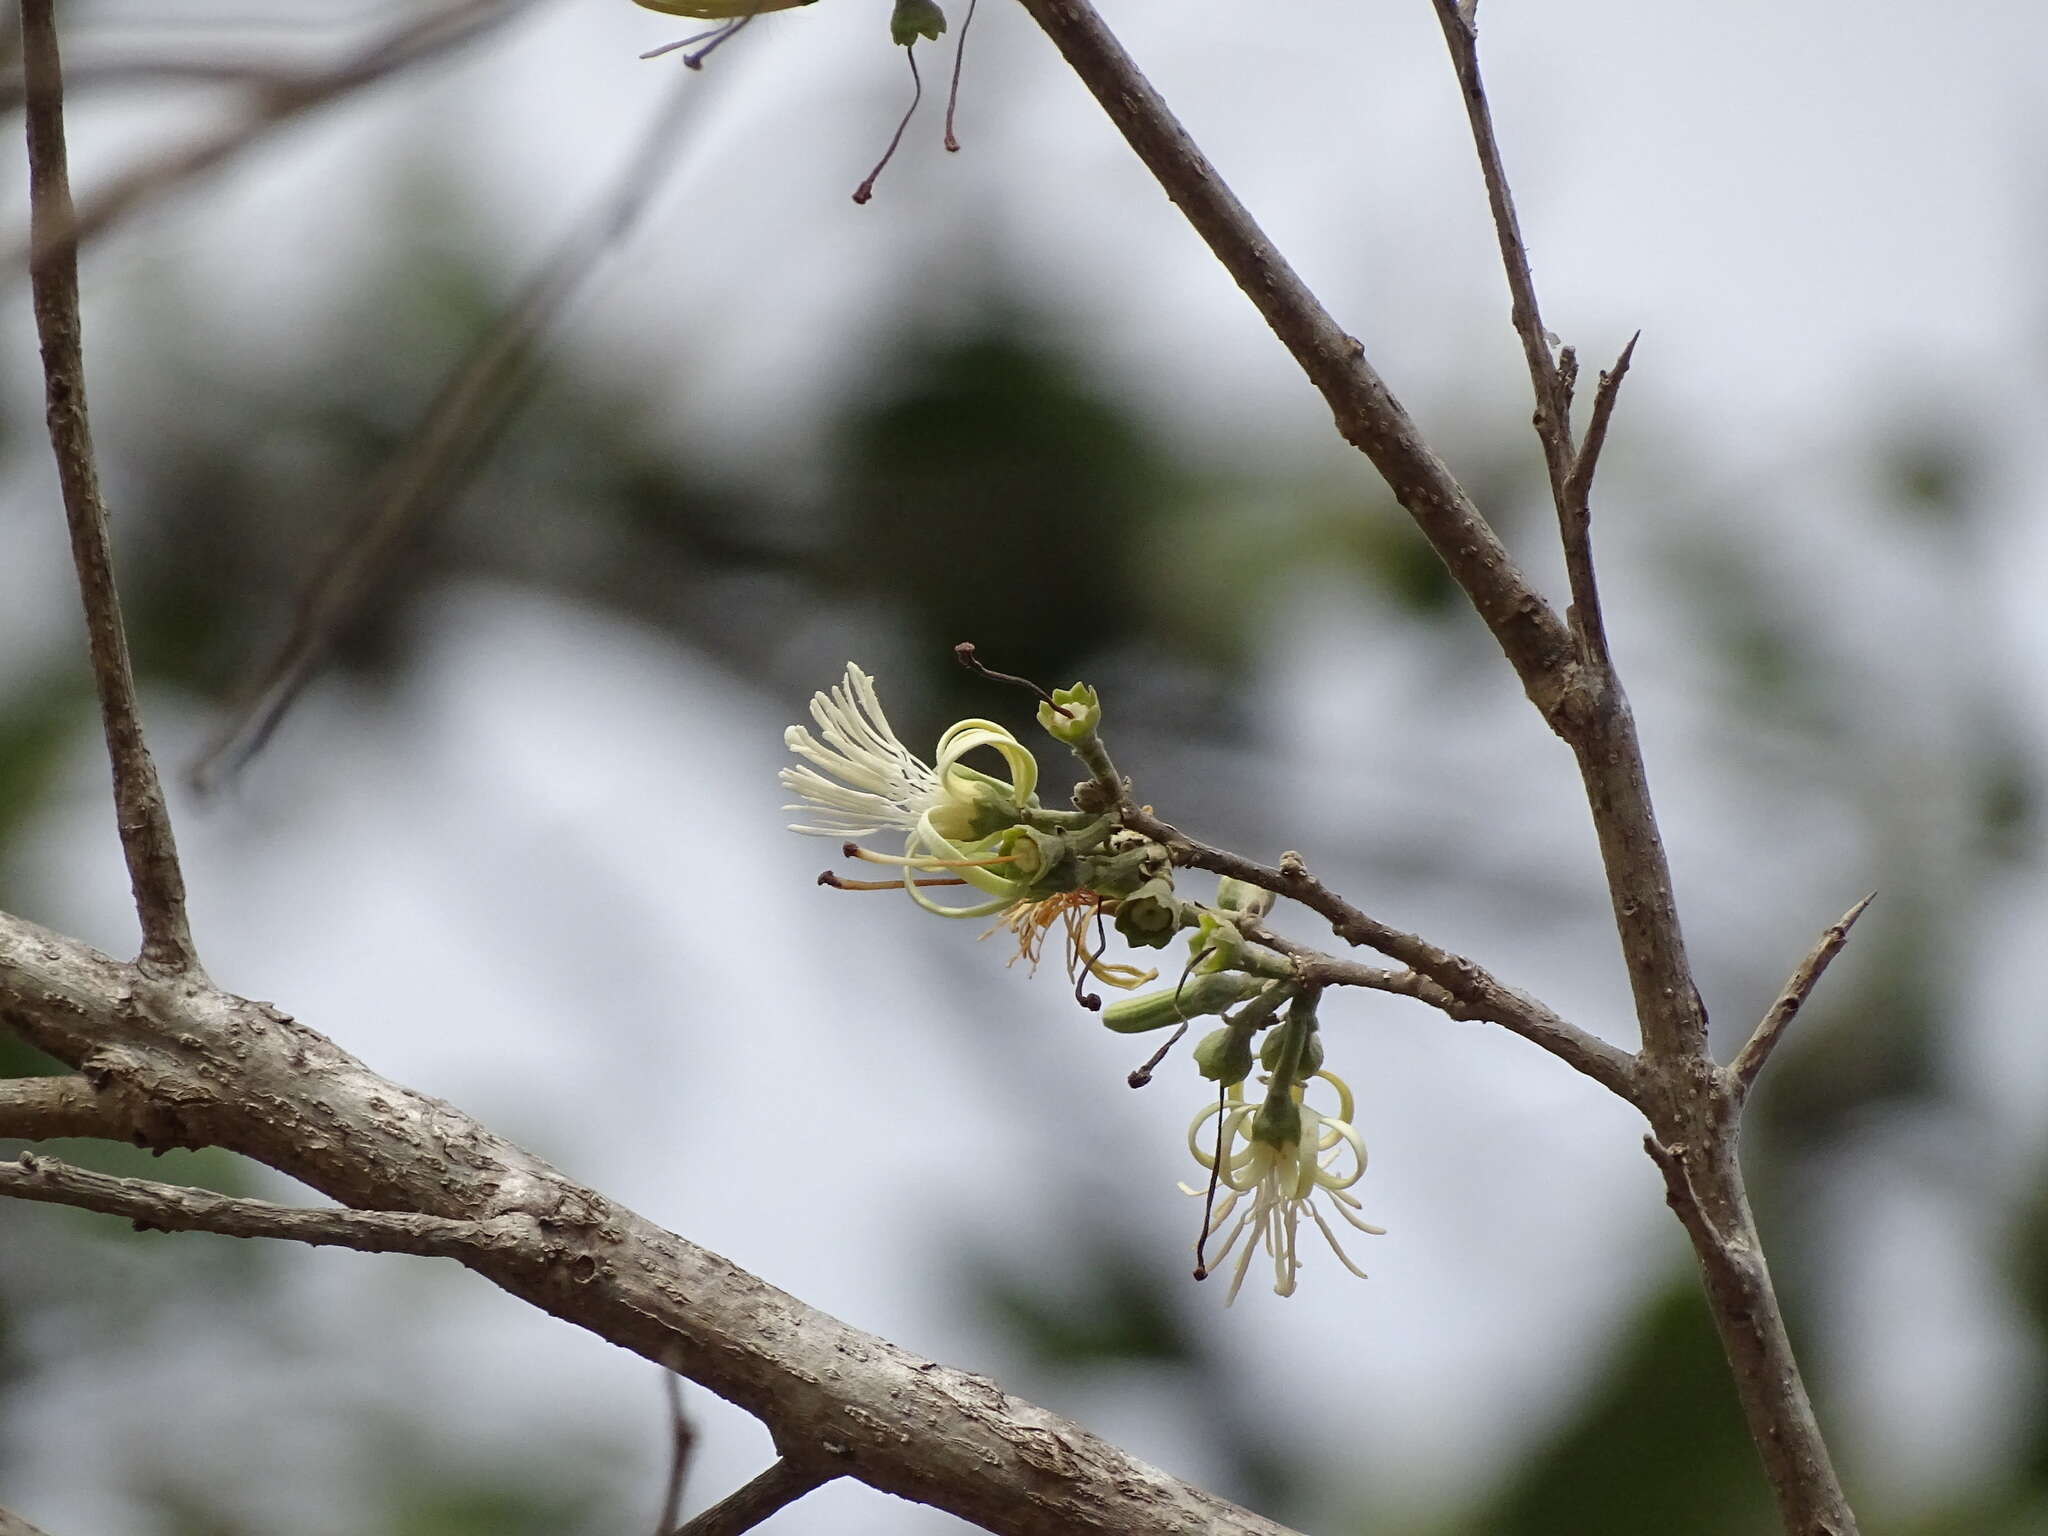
(863, 780)
(1280, 1182)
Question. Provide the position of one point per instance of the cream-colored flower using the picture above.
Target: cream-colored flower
(1277, 1183)
(862, 780)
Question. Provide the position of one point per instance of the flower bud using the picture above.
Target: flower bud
(1074, 715)
(1176, 1005)
(913, 19)
(1225, 1055)
(1234, 895)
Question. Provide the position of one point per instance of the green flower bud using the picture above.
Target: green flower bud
(1150, 915)
(1176, 1005)
(1234, 895)
(1216, 943)
(1225, 1055)
(913, 19)
(1082, 717)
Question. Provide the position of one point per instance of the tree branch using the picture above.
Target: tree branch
(248, 1078)
(1553, 398)
(1575, 520)
(1528, 631)
(1704, 1188)
(139, 809)
(1446, 981)
(176, 1208)
(1608, 1065)
(12, 1524)
(781, 1484)
(1749, 1061)
(279, 101)
(37, 1108)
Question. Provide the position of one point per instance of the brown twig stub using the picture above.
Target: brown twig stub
(782, 1484)
(139, 810)
(1749, 1061)
(1575, 520)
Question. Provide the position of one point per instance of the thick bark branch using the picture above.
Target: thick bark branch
(139, 809)
(241, 1075)
(1705, 1190)
(37, 1108)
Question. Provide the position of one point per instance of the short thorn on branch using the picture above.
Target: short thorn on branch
(1749, 1061)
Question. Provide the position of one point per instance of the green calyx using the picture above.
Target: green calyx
(1073, 716)
(1150, 916)
(1177, 1005)
(913, 19)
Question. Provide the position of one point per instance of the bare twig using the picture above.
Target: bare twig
(278, 102)
(1445, 980)
(1553, 398)
(37, 1108)
(445, 447)
(139, 809)
(12, 1524)
(1575, 519)
(1528, 631)
(1749, 1061)
(1484, 1001)
(782, 1484)
(176, 1208)
(682, 1441)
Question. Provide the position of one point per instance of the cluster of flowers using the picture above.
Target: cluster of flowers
(1035, 868)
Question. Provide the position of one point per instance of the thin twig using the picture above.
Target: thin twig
(176, 1208)
(1575, 518)
(1749, 1061)
(450, 440)
(1529, 632)
(38, 1108)
(139, 810)
(1445, 980)
(682, 1440)
(278, 103)
(1484, 1000)
(1553, 404)
(12, 1524)
(782, 1484)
